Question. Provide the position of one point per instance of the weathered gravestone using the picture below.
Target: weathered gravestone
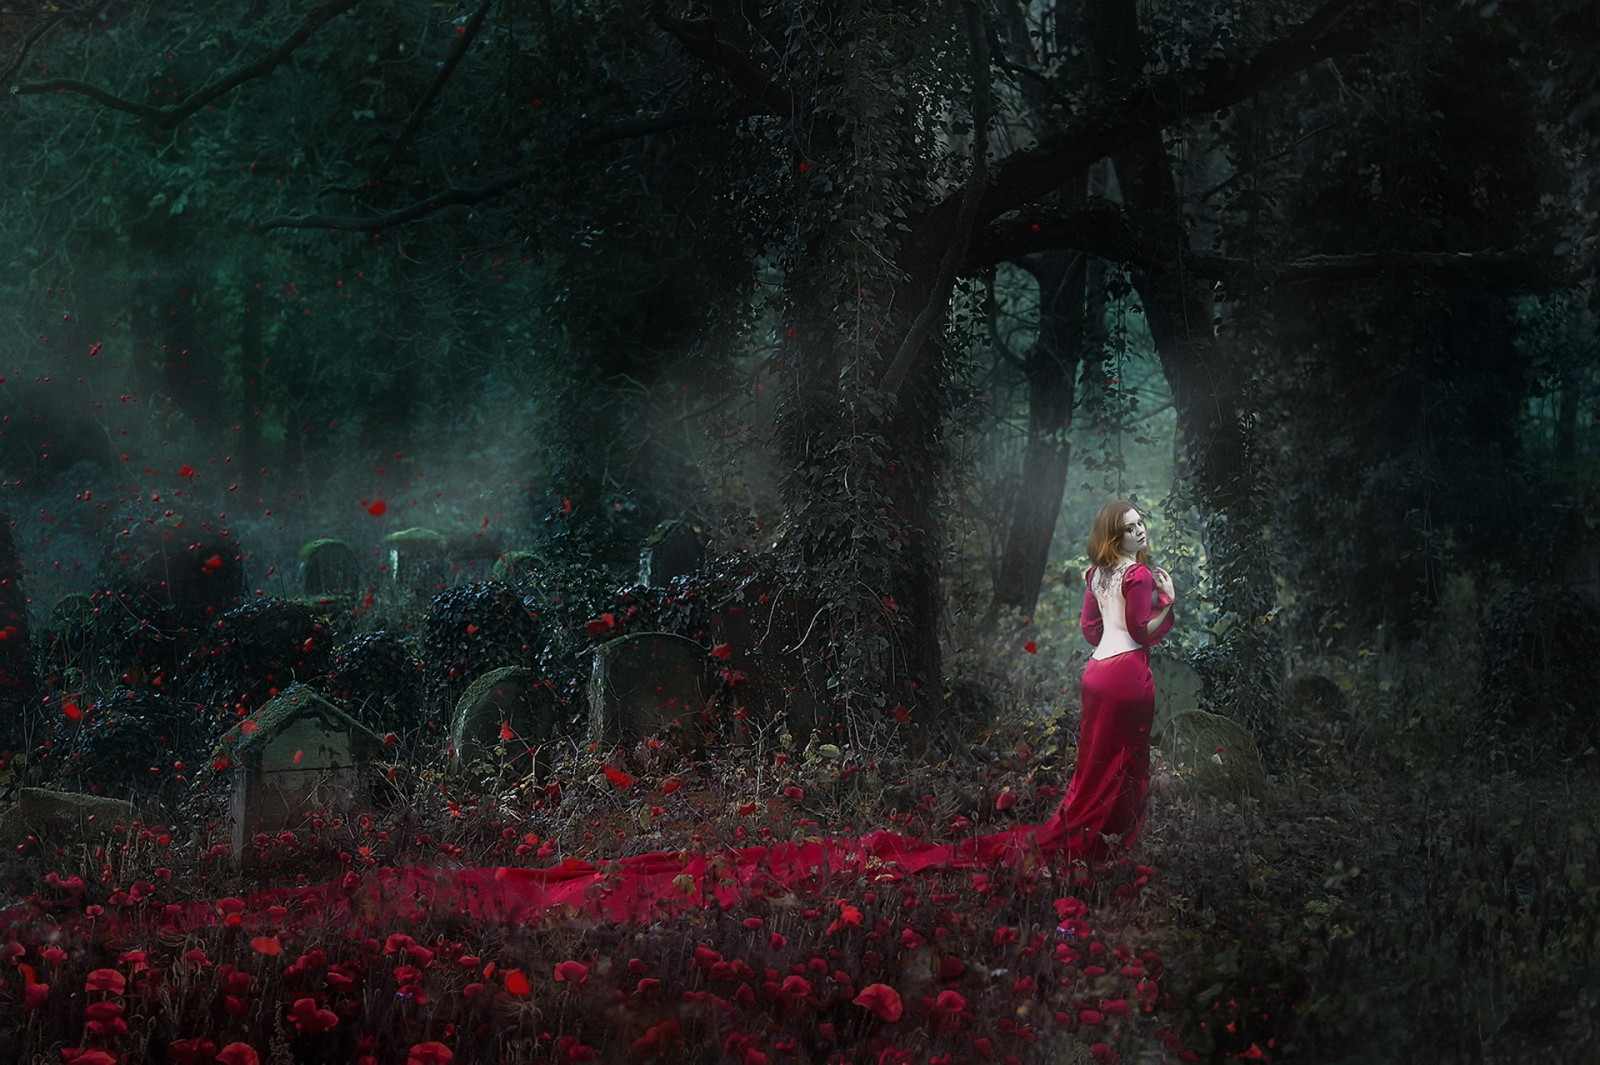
(329, 567)
(1178, 688)
(1216, 756)
(645, 683)
(673, 549)
(768, 679)
(62, 817)
(509, 710)
(298, 754)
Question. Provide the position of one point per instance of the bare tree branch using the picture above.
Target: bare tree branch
(456, 197)
(1536, 267)
(173, 114)
(1109, 231)
(29, 40)
(699, 38)
(459, 197)
(425, 102)
(1034, 173)
(1101, 228)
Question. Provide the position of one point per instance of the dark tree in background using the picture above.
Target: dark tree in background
(557, 271)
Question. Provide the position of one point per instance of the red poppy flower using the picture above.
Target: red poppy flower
(198, 1051)
(949, 1008)
(269, 945)
(516, 982)
(882, 1000)
(308, 1017)
(1070, 907)
(106, 980)
(429, 1054)
(238, 1054)
(104, 1010)
(617, 776)
(35, 995)
(572, 972)
(86, 1056)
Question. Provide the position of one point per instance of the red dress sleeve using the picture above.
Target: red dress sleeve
(1090, 623)
(1137, 584)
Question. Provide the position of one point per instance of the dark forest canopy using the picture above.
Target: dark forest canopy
(552, 272)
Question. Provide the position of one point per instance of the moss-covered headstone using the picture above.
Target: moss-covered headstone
(1178, 688)
(1216, 756)
(61, 817)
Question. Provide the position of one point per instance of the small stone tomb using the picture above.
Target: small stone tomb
(298, 754)
(502, 716)
(645, 683)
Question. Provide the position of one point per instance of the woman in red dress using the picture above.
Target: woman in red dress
(1127, 608)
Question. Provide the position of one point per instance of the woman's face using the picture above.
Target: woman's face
(1133, 539)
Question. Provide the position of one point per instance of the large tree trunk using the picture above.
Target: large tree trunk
(1069, 298)
(1222, 476)
(861, 493)
(860, 426)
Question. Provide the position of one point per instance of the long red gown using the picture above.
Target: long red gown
(1104, 808)
(1099, 818)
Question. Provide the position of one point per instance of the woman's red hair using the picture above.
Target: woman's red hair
(1105, 533)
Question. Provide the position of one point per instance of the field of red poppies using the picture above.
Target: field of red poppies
(151, 945)
(1395, 894)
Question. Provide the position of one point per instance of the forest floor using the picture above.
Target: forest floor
(1386, 898)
